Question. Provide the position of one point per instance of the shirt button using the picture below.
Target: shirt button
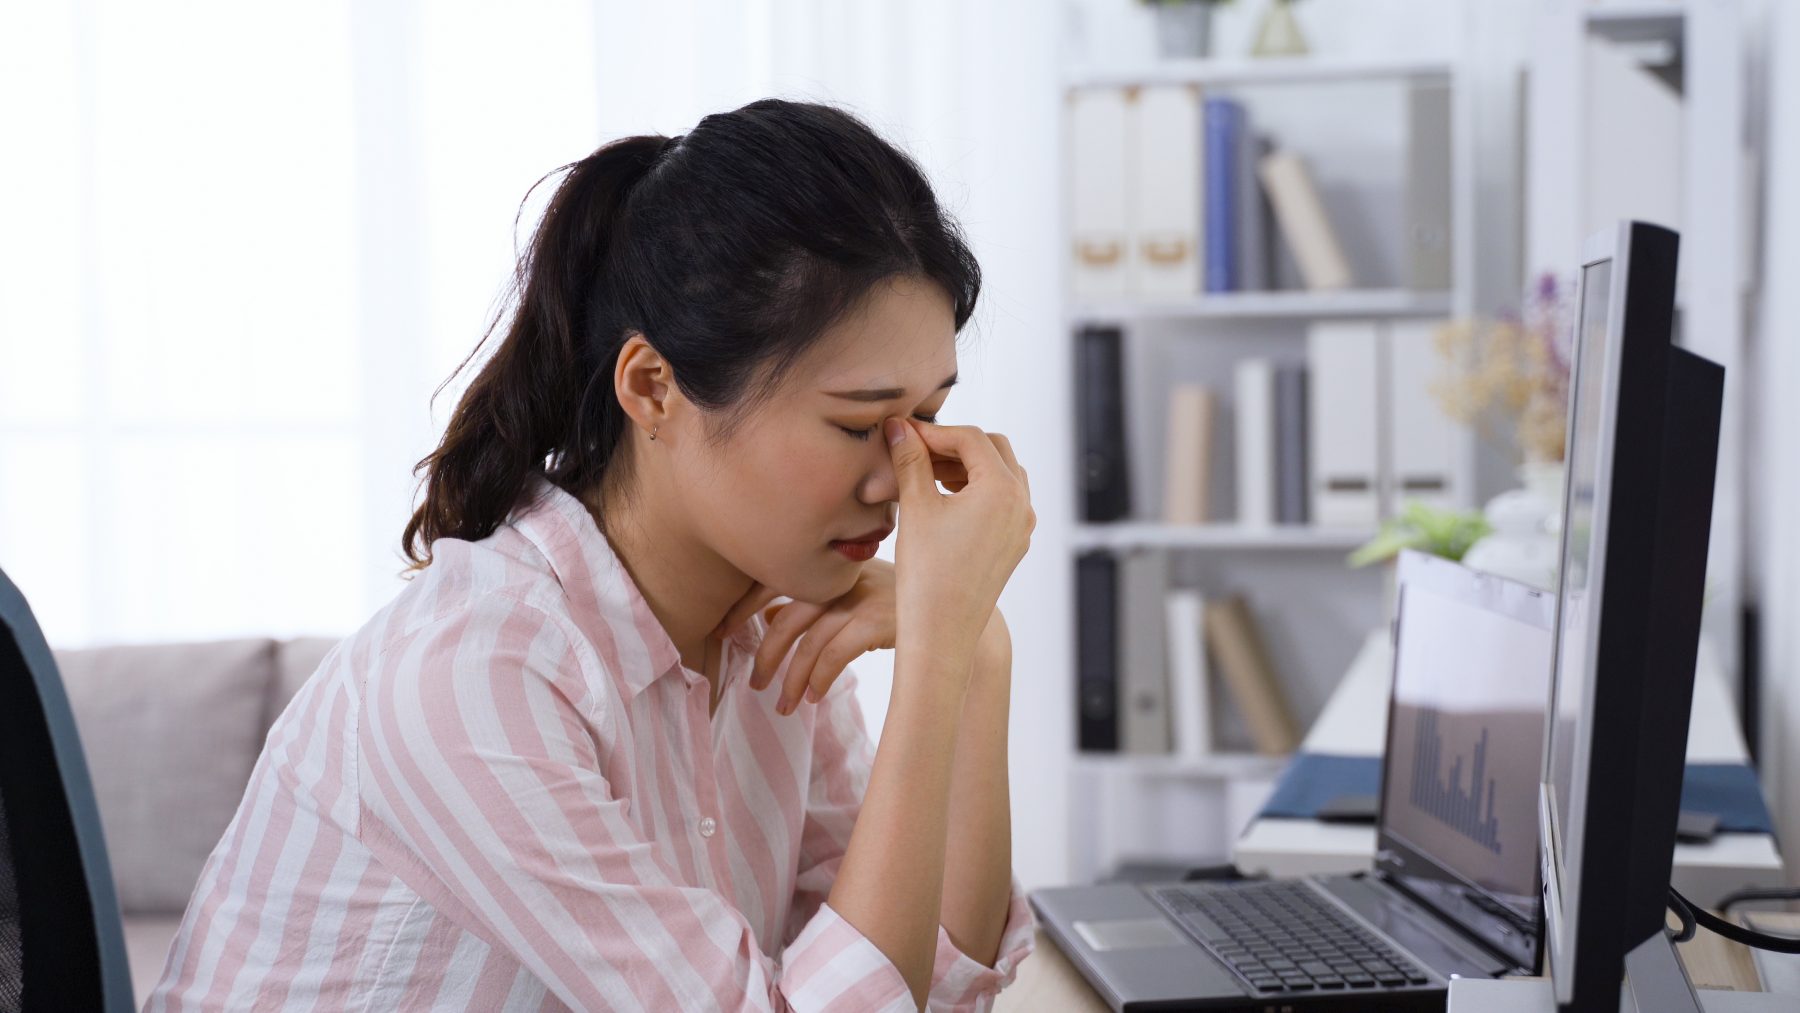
(708, 826)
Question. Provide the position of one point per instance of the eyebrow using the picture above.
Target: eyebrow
(884, 393)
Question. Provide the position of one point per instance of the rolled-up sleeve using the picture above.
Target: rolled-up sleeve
(478, 773)
(842, 757)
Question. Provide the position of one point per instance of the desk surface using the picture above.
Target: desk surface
(1047, 981)
(1354, 723)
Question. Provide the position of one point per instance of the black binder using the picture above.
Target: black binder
(1096, 652)
(1100, 408)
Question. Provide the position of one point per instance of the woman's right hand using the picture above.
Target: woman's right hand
(954, 552)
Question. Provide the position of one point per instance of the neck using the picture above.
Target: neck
(688, 587)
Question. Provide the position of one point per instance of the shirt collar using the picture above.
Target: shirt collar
(603, 599)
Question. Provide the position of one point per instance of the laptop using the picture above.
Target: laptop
(1454, 886)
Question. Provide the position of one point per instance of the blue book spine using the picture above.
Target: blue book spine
(1224, 123)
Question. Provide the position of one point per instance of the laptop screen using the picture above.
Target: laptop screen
(1465, 743)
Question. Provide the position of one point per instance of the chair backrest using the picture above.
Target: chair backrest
(62, 941)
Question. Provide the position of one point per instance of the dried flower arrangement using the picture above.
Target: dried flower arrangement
(1513, 370)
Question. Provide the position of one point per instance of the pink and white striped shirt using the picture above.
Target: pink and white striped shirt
(505, 793)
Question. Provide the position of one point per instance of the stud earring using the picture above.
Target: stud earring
(656, 430)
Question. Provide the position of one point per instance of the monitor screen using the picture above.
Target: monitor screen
(1578, 571)
(1465, 744)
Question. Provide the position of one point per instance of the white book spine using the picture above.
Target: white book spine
(1099, 172)
(1163, 203)
(1190, 697)
(1344, 395)
(1423, 452)
(1254, 388)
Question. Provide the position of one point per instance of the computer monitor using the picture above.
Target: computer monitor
(1640, 455)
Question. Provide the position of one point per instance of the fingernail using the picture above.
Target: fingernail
(812, 695)
(782, 707)
(896, 431)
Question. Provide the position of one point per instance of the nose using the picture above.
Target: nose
(880, 484)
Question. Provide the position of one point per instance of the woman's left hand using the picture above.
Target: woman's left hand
(830, 635)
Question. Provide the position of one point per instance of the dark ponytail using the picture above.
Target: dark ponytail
(732, 249)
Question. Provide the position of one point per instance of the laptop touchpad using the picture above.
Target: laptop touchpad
(1131, 934)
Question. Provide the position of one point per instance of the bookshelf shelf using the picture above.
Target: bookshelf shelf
(1299, 305)
(1219, 536)
(1307, 70)
(1221, 766)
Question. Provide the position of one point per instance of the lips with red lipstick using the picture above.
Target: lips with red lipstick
(863, 546)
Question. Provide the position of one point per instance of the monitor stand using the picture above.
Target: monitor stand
(1655, 982)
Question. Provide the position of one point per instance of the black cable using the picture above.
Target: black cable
(1686, 914)
(1755, 893)
(1736, 933)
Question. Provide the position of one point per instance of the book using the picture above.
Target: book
(1223, 133)
(1255, 260)
(1290, 445)
(1190, 696)
(1428, 218)
(1300, 214)
(1163, 203)
(1249, 678)
(1096, 652)
(1100, 408)
(1253, 386)
(1143, 663)
(1187, 475)
(1422, 453)
(1343, 409)
(1098, 176)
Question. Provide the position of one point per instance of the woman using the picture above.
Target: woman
(581, 761)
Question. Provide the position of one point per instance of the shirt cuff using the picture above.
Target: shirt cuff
(832, 966)
(960, 982)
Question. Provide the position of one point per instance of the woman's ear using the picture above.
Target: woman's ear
(644, 383)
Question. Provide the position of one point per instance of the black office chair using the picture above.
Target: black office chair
(62, 940)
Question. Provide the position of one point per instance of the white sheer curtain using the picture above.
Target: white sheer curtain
(240, 244)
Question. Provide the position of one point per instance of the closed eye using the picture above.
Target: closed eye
(864, 434)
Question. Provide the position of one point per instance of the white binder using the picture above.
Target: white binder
(1097, 139)
(1190, 696)
(1163, 206)
(1422, 438)
(1343, 398)
(1253, 389)
(1143, 661)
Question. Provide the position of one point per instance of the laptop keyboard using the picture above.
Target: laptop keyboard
(1281, 936)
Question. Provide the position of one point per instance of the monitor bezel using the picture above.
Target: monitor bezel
(1589, 863)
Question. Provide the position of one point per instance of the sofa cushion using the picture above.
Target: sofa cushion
(171, 732)
(295, 662)
(147, 942)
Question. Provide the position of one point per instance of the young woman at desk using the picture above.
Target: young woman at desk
(581, 760)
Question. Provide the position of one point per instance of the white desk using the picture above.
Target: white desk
(1354, 723)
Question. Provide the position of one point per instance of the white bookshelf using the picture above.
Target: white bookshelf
(1290, 305)
(1218, 536)
(1314, 611)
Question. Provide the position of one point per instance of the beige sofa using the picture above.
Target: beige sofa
(171, 732)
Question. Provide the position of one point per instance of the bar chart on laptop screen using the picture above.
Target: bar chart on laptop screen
(1441, 793)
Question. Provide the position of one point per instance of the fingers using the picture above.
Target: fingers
(745, 607)
(805, 674)
(912, 459)
(814, 681)
(967, 445)
(786, 627)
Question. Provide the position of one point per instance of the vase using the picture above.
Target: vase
(1184, 30)
(1527, 524)
(1279, 33)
